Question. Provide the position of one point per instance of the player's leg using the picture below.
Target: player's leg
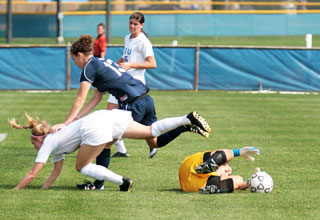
(136, 130)
(216, 184)
(199, 121)
(103, 159)
(148, 119)
(143, 111)
(83, 164)
(171, 128)
(121, 148)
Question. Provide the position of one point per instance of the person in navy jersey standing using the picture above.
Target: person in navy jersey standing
(107, 76)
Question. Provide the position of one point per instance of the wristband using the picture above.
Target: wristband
(236, 152)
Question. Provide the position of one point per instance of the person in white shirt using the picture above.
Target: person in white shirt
(137, 57)
(91, 134)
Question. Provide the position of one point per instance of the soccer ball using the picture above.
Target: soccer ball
(261, 182)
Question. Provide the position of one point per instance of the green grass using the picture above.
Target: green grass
(289, 41)
(285, 128)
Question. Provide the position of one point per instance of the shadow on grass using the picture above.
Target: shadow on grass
(176, 190)
(39, 187)
(73, 188)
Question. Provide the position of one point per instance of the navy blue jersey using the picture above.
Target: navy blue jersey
(107, 76)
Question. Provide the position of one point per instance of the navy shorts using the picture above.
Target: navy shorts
(142, 109)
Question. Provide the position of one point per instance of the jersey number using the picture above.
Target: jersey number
(110, 64)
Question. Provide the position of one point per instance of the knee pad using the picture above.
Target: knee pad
(224, 186)
(219, 157)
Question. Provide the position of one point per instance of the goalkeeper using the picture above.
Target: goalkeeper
(210, 173)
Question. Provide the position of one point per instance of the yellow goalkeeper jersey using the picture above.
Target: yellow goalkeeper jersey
(190, 181)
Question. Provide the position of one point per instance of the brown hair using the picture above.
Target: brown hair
(140, 18)
(83, 45)
(38, 127)
(102, 25)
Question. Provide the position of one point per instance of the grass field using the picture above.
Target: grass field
(289, 41)
(284, 127)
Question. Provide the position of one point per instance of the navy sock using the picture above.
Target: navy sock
(169, 136)
(104, 160)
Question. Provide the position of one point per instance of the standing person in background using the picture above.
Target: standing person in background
(137, 57)
(100, 44)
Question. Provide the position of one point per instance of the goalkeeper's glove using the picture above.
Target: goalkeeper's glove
(246, 152)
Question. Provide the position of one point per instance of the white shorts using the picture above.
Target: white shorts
(112, 99)
(104, 126)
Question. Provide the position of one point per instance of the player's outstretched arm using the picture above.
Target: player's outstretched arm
(54, 174)
(30, 176)
(228, 155)
(76, 107)
(246, 152)
(91, 104)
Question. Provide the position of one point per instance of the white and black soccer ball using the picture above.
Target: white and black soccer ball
(261, 182)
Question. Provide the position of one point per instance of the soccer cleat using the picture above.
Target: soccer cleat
(87, 185)
(211, 189)
(126, 185)
(153, 152)
(199, 121)
(207, 167)
(195, 129)
(118, 154)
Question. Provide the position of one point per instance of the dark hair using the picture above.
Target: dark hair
(102, 25)
(140, 18)
(84, 45)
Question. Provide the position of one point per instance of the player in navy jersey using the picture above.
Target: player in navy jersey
(107, 76)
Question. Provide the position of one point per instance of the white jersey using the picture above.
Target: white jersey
(97, 128)
(136, 50)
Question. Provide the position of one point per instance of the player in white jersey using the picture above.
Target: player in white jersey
(137, 57)
(91, 134)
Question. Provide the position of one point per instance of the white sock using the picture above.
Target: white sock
(168, 124)
(101, 173)
(121, 148)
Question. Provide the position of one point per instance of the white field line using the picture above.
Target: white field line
(2, 136)
(41, 91)
(275, 92)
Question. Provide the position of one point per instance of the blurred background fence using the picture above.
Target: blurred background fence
(36, 18)
(182, 68)
(178, 68)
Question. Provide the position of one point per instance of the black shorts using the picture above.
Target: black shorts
(143, 110)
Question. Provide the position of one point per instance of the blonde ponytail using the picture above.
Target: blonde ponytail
(39, 128)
